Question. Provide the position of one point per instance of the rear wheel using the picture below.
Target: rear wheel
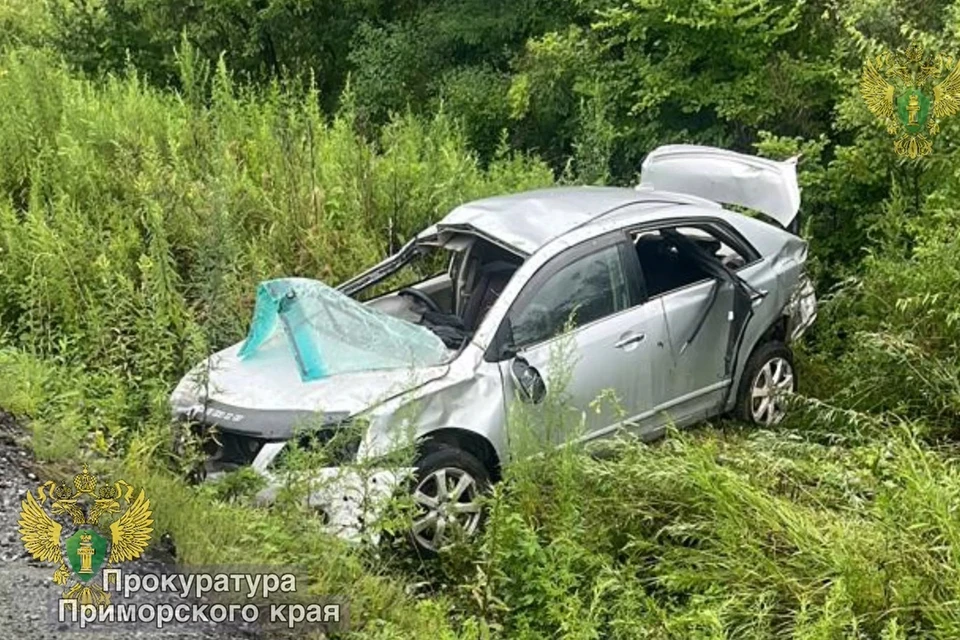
(767, 378)
(447, 490)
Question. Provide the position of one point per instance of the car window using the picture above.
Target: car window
(420, 268)
(714, 246)
(588, 289)
(667, 265)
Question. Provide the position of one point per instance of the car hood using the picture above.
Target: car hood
(311, 352)
(267, 398)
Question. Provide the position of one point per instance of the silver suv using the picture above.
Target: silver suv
(681, 308)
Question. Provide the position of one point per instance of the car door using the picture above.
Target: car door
(698, 322)
(582, 323)
(699, 311)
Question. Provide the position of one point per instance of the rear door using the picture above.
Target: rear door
(698, 321)
(679, 264)
(583, 323)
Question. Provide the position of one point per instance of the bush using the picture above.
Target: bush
(135, 221)
(134, 228)
(138, 223)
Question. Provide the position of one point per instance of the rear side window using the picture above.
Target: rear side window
(583, 291)
(668, 266)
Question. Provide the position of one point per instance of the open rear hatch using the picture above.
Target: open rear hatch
(727, 177)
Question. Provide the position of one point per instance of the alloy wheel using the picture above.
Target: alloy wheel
(773, 381)
(448, 501)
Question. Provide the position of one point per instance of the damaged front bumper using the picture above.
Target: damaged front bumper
(350, 501)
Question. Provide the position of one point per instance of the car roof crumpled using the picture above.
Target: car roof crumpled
(330, 333)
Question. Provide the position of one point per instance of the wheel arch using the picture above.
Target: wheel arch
(777, 331)
(470, 441)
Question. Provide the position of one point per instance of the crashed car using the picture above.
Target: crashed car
(683, 308)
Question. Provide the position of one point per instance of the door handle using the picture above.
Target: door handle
(631, 340)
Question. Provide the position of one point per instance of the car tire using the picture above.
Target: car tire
(768, 373)
(446, 491)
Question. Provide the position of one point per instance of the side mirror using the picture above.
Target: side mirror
(528, 381)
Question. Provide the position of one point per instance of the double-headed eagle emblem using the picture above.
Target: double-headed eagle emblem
(909, 93)
(85, 552)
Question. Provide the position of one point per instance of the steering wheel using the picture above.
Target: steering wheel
(421, 297)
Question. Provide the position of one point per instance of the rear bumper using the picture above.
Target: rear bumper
(801, 310)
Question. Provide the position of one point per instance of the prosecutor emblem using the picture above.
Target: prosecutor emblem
(911, 93)
(85, 547)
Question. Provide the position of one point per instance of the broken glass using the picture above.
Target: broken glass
(331, 333)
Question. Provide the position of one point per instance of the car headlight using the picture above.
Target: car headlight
(185, 396)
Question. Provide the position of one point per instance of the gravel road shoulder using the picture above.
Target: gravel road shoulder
(28, 597)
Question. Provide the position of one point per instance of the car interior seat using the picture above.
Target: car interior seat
(667, 264)
(654, 262)
(492, 279)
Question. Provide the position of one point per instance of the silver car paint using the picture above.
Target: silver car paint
(526, 222)
(276, 386)
(460, 395)
(471, 394)
(725, 176)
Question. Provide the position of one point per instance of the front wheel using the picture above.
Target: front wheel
(447, 490)
(767, 377)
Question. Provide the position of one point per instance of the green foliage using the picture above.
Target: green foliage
(134, 227)
(889, 336)
(157, 159)
(23, 379)
(590, 87)
(24, 22)
(761, 535)
(137, 224)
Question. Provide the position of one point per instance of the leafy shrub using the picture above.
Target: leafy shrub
(135, 221)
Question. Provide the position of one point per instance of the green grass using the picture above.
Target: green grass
(135, 222)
